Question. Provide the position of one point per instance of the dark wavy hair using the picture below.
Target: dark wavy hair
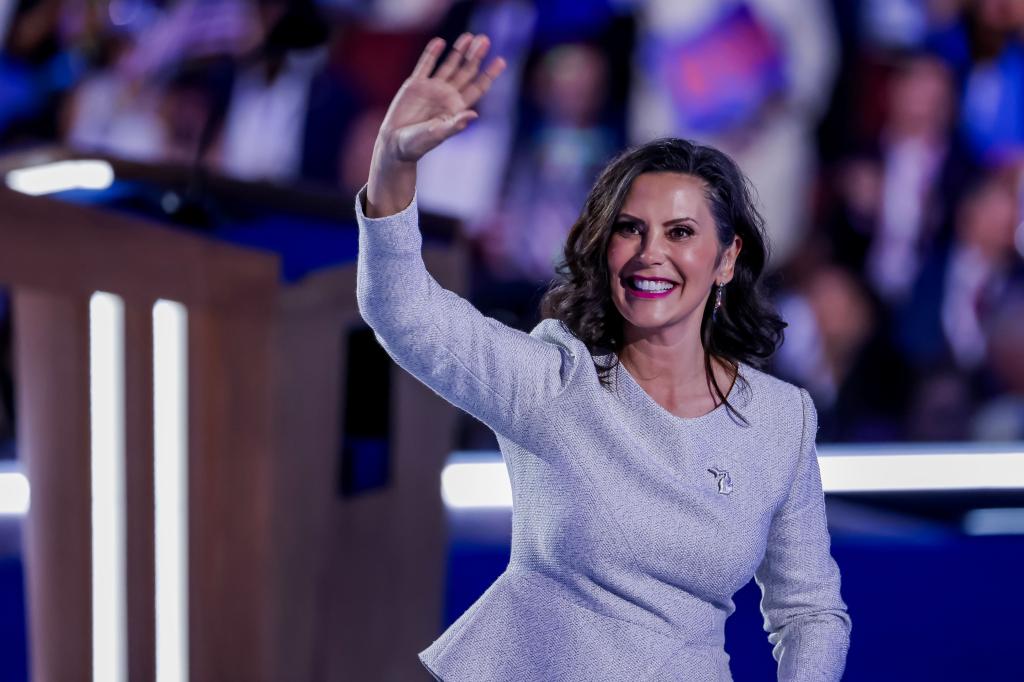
(746, 327)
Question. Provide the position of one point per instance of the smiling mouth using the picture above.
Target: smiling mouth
(653, 290)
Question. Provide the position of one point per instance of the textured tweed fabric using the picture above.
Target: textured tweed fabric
(632, 527)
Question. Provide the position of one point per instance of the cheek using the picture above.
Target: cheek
(616, 261)
(614, 256)
(707, 260)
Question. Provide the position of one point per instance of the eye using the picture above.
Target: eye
(680, 232)
(626, 226)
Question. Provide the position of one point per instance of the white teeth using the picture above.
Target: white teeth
(648, 285)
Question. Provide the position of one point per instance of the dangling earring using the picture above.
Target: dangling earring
(718, 300)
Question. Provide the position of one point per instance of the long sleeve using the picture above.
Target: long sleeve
(494, 372)
(803, 610)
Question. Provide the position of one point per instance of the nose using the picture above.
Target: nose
(651, 250)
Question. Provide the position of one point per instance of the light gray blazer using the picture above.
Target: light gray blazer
(632, 527)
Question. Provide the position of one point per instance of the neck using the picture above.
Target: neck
(672, 365)
(674, 370)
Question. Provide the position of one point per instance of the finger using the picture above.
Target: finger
(454, 57)
(474, 56)
(463, 119)
(482, 83)
(428, 59)
(447, 126)
(418, 139)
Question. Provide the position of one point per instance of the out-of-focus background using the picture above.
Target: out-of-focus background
(885, 139)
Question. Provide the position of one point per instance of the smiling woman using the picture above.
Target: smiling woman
(633, 525)
(674, 211)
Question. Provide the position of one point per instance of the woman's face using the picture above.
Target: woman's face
(665, 234)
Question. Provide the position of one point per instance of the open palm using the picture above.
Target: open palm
(428, 109)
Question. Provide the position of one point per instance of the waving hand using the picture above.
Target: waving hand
(431, 106)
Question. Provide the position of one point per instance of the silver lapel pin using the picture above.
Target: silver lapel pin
(724, 481)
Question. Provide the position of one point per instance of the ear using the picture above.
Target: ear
(728, 265)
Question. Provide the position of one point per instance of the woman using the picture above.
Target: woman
(653, 469)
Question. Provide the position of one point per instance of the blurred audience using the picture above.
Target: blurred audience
(113, 112)
(554, 164)
(945, 317)
(896, 191)
(463, 177)
(751, 78)
(286, 96)
(986, 44)
(1001, 416)
(884, 138)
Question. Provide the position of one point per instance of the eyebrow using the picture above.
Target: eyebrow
(667, 223)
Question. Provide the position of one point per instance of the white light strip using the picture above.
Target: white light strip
(475, 485)
(14, 494)
(480, 479)
(59, 176)
(106, 410)
(170, 468)
(948, 471)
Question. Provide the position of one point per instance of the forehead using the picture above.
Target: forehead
(666, 196)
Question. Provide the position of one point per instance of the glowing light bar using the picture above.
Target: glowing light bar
(60, 176)
(923, 471)
(106, 410)
(14, 494)
(170, 469)
(474, 480)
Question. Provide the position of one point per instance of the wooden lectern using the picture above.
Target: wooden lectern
(288, 577)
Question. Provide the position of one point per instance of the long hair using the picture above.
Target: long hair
(746, 327)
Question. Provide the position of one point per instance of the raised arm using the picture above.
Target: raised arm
(495, 373)
(804, 614)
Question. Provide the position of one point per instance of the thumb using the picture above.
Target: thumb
(416, 140)
(462, 119)
(444, 128)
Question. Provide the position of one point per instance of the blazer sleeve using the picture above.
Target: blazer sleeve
(804, 614)
(494, 372)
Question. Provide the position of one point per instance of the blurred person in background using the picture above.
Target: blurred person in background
(189, 99)
(1001, 417)
(749, 77)
(945, 317)
(161, 79)
(829, 319)
(836, 348)
(896, 192)
(41, 60)
(552, 170)
(940, 406)
(985, 44)
(113, 112)
(288, 112)
(178, 32)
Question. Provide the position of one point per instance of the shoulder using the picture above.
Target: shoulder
(574, 352)
(779, 402)
(770, 387)
(558, 333)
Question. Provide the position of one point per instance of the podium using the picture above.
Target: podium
(315, 529)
